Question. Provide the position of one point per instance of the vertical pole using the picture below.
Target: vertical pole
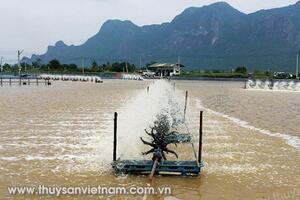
(19, 65)
(82, 63)
(185, 104)
(115, 137)
(174, 86)
(297, 66)
(148, 89)
(9, 81)
(1, 69)
(20, 81)
(178, 64)
(140, 62)
(272, 84)
(153, 168)
(28, 81)
(1, 65)
(200, 137)
(37, 81)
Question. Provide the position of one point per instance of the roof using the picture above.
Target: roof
(164, 65)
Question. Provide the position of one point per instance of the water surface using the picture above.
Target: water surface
(62, 135)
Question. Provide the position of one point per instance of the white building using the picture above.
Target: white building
(165, 69)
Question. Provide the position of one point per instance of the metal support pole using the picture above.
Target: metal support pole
(115, 137)
(20, 81)
(297, 66)
(82, 64)
(37, 81)
(185, 104)
(174, 86)
(9, 81)
(148, 89)
(1, 82)
(272, 84)
(153, 169)
(200, 137)
(1, 67)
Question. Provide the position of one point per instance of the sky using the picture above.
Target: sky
(32, 25)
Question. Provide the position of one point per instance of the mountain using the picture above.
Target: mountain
(216, 36)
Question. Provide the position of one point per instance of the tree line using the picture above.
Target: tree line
(54, 66)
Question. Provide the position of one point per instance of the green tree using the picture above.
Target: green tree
(241, 70)
(6, 67)
(95, 66)
(73, 67)
(54, 65)
(118, 67)
(37, 64)
(131, 67)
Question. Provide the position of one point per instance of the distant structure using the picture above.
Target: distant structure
(165, 69)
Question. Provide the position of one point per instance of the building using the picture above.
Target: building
(165, 69)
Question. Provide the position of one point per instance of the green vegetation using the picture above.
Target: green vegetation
(241, 70)
(262, 74)
(212, 74)
(54, 66)
(238, 72)
(110, 69)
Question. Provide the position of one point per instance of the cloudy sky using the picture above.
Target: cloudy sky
(34, 24)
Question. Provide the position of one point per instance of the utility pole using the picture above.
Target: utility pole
(178, 63)
(82, 64)
(19, 65)
(140, 62)
(1, 64)
(297, 66)
(126, 68)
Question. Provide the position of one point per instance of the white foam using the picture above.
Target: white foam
(65, 157)
(290, 86)
(293, 141)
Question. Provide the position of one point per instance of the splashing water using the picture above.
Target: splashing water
(140, 114)
(273, 85)
(80, 138)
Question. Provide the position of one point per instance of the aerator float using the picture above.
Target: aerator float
(161, 136)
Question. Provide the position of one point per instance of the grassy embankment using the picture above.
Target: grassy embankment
(217, 74)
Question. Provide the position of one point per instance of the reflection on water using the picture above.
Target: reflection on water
(62, 135)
